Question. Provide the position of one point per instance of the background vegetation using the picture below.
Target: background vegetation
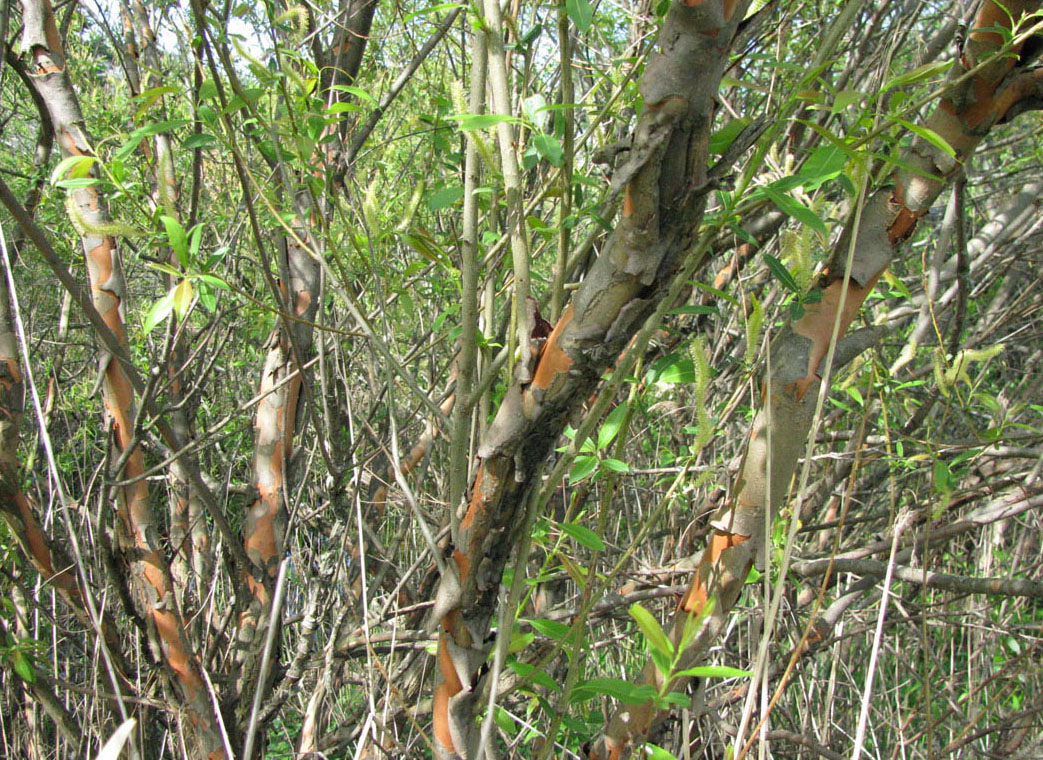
(895, 606)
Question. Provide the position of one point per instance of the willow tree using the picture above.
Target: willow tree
(354, 495)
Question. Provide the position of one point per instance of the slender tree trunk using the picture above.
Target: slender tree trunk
(664, 184)
(280, 411)
(138, 530)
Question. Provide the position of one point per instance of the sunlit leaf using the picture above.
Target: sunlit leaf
(177, 239)
(159, 311)
(73, 167)
(112, 748)
(183, 297)
(549, 147)
(715, 671)
(582, 467)
(610, 427)
(653, 632)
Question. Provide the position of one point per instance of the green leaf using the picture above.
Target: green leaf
(337, 108)
(177, 238)
(943, 477)
(160, 310)
(72, 184)
(657, 638)
(725, 136)
(23, 666)
(658, 753)
(444, 197)
(845, 99)
(195, 239)
(610, 427)
(673, 368)
(539, 677)
(715, 291)
(72, 167)
(217, 282)
(794, 208)
(615, 465)
(161, 127)
(582, 467)
(715, 671)
(662, 662)
(468, 122)
(549, 147)
(202, 141)
(617, 688)
(825, 163)
(520, 641)
(433, 9)
(583, 536)
(781, 273)
(926, 71)
(581, 13)
(929, 135)
(552, 629)
(697, 309)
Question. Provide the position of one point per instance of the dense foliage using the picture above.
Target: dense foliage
(342, 257)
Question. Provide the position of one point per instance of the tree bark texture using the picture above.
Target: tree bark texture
(664, 183)
(137, 528)
(983, 90)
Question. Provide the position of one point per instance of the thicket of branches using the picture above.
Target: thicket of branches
(446, 379)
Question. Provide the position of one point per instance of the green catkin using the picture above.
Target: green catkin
(754, 325)
(83, 227)
(703, 374)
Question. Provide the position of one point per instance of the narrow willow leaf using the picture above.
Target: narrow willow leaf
(549, 147)
(582, 467)
(552, 629)
(929, 135)
(159, 311)
(177, 238)
(794, 208)
(920, 73)
(72, 167)
(183, 294)
(654, 752)
(781, 273)
(617, 688)
(754, 323)
(23, 666)
(471, 121)
(584, 536)
(715, 671)
(725, 136)
(610, 427)
(650, 627)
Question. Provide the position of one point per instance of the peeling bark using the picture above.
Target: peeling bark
(16, 506)
(138, 535)
(789, 395)
(663, 182)
(279, 413)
